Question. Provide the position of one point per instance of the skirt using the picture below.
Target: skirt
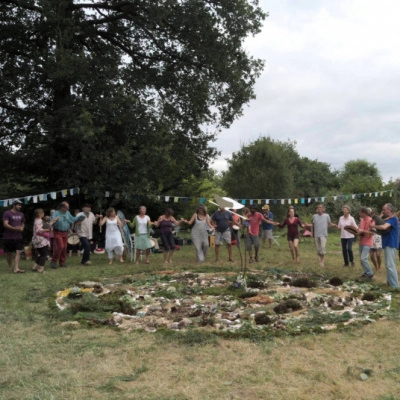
(142, 242)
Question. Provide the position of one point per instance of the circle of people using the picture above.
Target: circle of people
(376, 233)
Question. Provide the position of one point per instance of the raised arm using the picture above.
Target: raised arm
(103, 221)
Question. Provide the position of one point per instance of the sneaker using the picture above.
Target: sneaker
(366, 277)
(53, 265)
(87, 263)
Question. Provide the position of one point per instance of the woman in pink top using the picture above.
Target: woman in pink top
(40, 241)
(365, 242)
(346, 238)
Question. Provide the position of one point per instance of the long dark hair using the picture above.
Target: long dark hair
(169, 212)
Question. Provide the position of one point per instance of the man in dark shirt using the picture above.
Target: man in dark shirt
(222, 221)
(14, 224)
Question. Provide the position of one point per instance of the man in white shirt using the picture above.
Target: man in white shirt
(320, 223)
(84, 229)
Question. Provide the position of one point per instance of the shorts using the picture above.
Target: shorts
(12, 245)
(375, 250)
(292, 238)
(223, 237)
(320, 244)
(266, 234)
(252, 240)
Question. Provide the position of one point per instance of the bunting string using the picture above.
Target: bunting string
(35, 198)
(195, 200)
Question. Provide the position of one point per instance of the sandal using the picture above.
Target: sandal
(19, 271)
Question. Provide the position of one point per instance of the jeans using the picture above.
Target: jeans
(390, 264)
(364, 252)
(85, 243)
(347, 250)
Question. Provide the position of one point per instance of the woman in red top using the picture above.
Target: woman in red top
(365, 242)
(292, 222)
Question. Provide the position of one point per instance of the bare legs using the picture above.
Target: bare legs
(147, 256)
(16, 261)
(229, 246)
(294, 249)
(376, 258)
(168, 256)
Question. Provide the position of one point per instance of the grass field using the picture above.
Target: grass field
(44, 358)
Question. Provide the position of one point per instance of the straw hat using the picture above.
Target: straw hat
(265, 207)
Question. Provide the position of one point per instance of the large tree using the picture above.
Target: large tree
(268, 168)
(312, 177)
(118, 94)
(261, 169)
(360, 176)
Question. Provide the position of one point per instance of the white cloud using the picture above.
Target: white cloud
(330, 83)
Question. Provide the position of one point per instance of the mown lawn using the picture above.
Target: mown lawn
(44, 358)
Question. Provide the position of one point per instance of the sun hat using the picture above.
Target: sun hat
(265, 207)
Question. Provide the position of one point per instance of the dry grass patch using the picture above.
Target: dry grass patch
(41, 359)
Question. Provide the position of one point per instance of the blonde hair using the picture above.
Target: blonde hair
(37, 212)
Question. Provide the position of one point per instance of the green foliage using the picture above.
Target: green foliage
(359, 176)
(313, 178)
(88, 302)
(260, 169)
(120, 94)
(268, 168)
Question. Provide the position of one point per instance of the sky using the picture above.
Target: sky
(331, 83)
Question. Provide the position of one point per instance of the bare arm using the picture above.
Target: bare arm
(192, 219)
(209, 223)
(119, 222)
(157, 223)
(103, 221)
(13, 228)
(176, 222)
(380, 227)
